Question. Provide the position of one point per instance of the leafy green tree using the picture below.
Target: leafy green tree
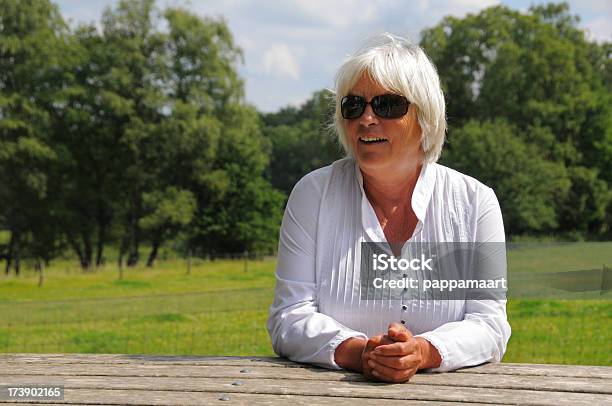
(201, 58)
(239, 209)
(89, 117)
(539, 73)
(585, 208)
(302, 140)
(128, 134)
(170, 210)
(30, 38)
(135, 46)
(185, 147)
(220, 152)
(526, 184)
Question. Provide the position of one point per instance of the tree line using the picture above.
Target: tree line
(529, 108)
(127, 135)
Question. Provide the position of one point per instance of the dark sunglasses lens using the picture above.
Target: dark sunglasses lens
(352, 106)
(390, 105)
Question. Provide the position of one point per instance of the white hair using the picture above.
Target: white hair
(403, 68)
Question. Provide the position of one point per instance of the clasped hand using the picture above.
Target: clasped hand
(394, 357)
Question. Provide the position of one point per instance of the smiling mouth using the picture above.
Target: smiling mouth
(372, 140)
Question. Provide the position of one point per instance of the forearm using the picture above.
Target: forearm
(429, 354)
(348, 353)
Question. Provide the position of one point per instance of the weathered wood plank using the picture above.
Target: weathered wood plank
(505, 368)
(159, 397)
(559, 370)
(181, 371)
(163, 359)
(342, 389)
(549, 383)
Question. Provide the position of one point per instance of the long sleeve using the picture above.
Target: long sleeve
(484, 332)
(297, 330)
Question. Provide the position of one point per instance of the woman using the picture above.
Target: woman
(390, 119)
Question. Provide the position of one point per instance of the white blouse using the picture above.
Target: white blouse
(317, 301)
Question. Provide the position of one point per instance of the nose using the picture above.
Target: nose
(368, 117)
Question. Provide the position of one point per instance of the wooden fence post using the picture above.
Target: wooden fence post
(41, 273)
(121, 267)
(189, 262)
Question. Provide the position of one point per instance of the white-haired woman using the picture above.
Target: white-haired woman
(390, 119)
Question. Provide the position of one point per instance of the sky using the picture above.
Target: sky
(293, 48)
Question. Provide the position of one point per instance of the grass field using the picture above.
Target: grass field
(221, 309)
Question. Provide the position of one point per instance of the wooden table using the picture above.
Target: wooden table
(170, 380)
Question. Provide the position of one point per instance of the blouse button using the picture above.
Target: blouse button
(403, 321)
(404, 307)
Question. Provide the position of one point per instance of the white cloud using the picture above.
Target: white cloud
(456, 8)
(472, 4)
(279, 60)
(338, 13)
(76, 12)
(598, 5)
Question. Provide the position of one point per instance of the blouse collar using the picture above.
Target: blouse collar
(421, 196)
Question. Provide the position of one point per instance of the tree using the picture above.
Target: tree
(219, 153)
(30, 39)
(526, 184)
(135, 47)
(89, 116)
(170, 210)
(187, 112)
(301, 140)
(238, 208)
(537, 72)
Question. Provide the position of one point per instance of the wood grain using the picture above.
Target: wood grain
(136, 380)
(504, 381)
(505, 368)
(155, 397)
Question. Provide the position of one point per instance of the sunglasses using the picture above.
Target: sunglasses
(384, 106)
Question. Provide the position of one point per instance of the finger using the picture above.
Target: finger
(395, 349)
(398, 362)
(386, 340)
(395, 328)
(390, 374)
(373, 342)
(399, 332)
(403, 336)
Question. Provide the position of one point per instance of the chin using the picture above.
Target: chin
(373, 159)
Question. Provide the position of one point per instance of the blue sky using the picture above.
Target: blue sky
(293, 47)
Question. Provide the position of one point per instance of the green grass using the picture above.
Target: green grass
(560, 332)
(219, 309)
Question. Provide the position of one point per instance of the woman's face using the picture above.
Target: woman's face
(401, 147)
